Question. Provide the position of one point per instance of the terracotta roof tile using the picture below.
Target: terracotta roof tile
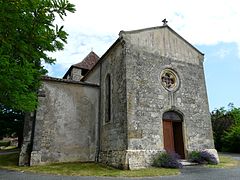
(88, 62)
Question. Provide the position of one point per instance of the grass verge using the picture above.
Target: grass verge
(9, 161)
(83, 169)
(9, 149)
(226, 162)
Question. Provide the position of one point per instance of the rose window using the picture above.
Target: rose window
(169, 79)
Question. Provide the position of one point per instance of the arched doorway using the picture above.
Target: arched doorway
(173, 133)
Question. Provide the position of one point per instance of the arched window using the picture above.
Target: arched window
(108, 98)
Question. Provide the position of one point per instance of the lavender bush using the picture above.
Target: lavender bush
(202, 157)
(167, 160)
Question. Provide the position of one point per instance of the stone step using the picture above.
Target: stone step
(185, 162)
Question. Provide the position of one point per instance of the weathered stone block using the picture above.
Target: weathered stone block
(136, 134)
(214, 153)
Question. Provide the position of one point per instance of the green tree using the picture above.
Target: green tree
(27, 33)
(226, 128)
(11, 123)
(231, 137)
(221, 122)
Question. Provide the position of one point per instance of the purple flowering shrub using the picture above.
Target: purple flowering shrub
(202, 157)
(167, 160)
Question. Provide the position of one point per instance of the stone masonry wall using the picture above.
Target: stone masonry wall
(24, 156)
(76, 74)
(94, 76)
(113, 137)
(147, 54)
(66, 123)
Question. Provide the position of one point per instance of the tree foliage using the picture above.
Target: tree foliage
(27, 33)
(231, 139)
(11, 123)
(226, 128)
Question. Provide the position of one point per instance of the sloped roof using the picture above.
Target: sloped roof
(88, 62)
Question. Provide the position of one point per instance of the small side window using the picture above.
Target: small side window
(108, 98)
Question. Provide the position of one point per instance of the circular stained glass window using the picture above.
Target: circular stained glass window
(169, 79)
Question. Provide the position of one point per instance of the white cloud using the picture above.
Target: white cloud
(222, 53)
(96, 24)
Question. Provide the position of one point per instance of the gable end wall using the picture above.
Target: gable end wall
(146, 57)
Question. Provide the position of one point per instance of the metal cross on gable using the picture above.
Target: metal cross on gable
(164, 22)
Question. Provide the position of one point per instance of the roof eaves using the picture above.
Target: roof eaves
(49, 78)
(74, 66)
(144, 29)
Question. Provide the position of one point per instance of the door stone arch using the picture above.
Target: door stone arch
(173, 133)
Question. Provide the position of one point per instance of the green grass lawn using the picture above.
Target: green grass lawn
(9, 148)
(83, 169)
(94, 169)
(226, 162)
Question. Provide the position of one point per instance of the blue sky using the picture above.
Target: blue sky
(211, 26)
(222, 73)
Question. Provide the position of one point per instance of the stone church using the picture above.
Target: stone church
(145, 95)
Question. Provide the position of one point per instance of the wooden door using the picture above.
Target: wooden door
(178, 139)
(168, 136)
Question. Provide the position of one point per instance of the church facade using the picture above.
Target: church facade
(145, 95)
